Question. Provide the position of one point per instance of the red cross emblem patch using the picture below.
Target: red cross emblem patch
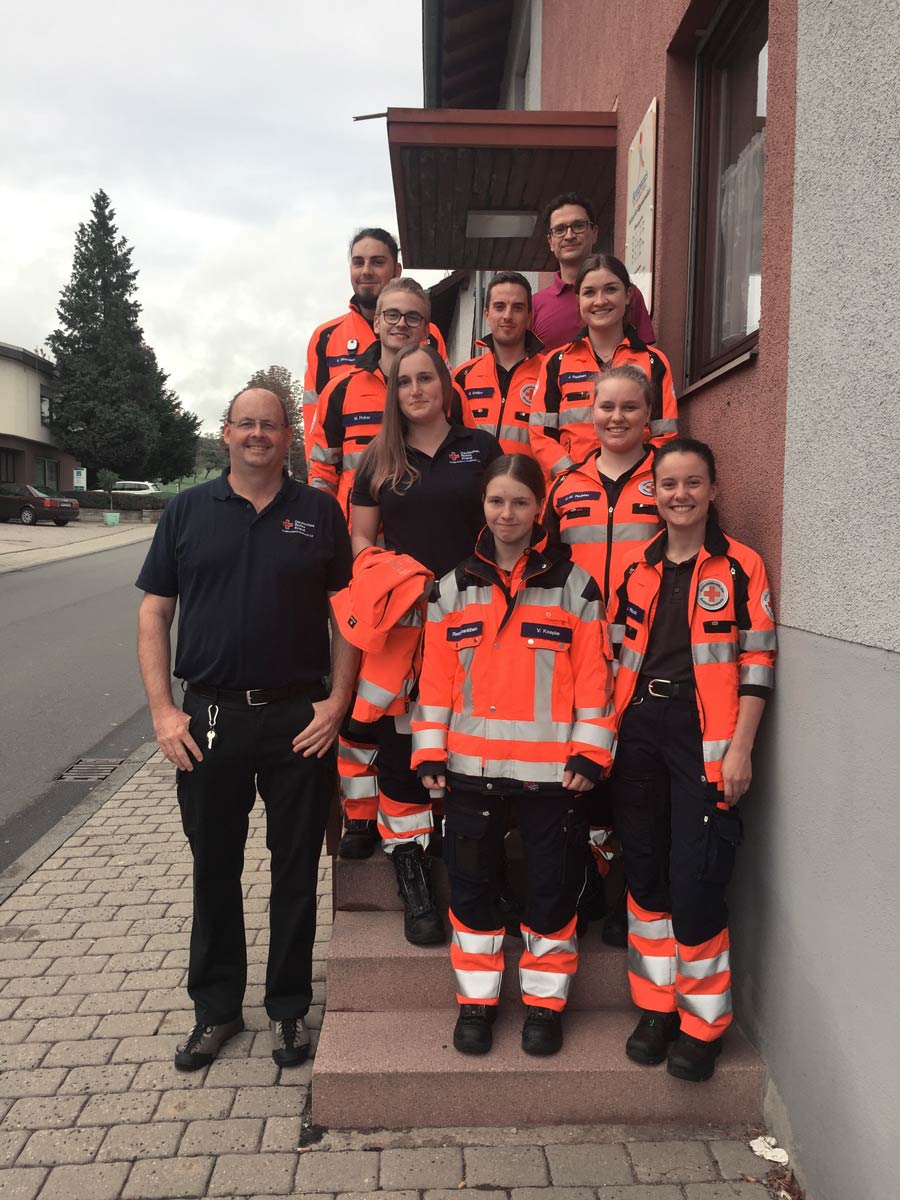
(712, 595)
(645, 487)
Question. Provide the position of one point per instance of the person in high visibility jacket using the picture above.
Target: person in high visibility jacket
(499, 383)
(351, 407)
(419, 483)
(694, 630)
(605, 509)
(561, 430)
(337, 344)
(514, 707)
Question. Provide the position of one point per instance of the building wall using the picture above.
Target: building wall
(21, 376)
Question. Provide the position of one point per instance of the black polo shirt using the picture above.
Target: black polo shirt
(437, 518)
(252, 587)
(669, 654)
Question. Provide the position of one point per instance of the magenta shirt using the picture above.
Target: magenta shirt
(555, 318)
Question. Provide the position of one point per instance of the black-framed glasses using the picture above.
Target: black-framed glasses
(394, 316)
(577, 227)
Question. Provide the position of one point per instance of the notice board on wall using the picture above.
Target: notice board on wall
(641, 205)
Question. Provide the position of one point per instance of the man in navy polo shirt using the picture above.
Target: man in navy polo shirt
(251, 559)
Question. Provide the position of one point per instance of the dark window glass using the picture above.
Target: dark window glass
(7, 466)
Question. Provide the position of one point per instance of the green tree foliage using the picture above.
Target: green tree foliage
(113, 409)
(280, 381)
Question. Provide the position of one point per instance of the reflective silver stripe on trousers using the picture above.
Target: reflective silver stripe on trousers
(757, 675)
(478, 986)
(545, 985)
(593, 735)
(429, 739)
(665, 425)
(655, 930)
(477, 943)
(432, 713)
(504, 768)
(707, 1008)
(705, 653)
(359, 787)
(702, 968)
(580, 414)
(413, 824)
(325, 454)
(631, 659)
(715, 751)
(379, 696)
(658, 968)
(758, 639)
(357, 754)
(538, 945)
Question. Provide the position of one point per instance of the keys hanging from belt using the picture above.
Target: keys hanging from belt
(213, 714)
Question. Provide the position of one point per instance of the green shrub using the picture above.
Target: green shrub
(124, 501)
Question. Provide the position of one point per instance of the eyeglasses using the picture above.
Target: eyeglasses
(394, 316)
(247, 426)
(577, 227)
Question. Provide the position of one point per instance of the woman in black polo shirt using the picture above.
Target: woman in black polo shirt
(420, 483)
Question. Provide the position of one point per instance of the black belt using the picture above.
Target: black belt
(253, 697)
(666, 689)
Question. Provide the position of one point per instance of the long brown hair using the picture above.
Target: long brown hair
(386, 460)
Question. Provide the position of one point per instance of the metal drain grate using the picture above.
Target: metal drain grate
(90, 770)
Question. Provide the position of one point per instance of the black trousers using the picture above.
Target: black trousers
(252, 750)
(554, 832)
(679, 847)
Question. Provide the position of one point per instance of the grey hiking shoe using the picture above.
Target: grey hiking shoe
(203, 1043)
(290, 1041)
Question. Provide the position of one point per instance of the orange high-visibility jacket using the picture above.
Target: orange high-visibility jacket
(506, 418)
(605, 538)
(561, 428)
(516, 681)
(733, 638)
(382, 612)
(334, 349)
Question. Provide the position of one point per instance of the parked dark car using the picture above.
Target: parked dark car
(30, 505)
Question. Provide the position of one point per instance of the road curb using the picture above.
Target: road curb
(81, 549)
(35, 856)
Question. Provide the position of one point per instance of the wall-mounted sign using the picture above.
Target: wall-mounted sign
(641, 205)
(79, 479)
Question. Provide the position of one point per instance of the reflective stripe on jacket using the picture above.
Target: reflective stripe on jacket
(516, 680)
(334, 349)
(560, 426)
(733, 638)
(605, 538)
(505, 417)
(382, 612)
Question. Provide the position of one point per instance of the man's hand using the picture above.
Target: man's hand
(736, 773)
(171, 728)
(318, 736)
(573, 782)
(434, 783)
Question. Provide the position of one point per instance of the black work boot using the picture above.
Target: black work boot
(542, 1031)
(359, 840)
(650, 1040)
(615, 927)
(472, 1034)
(692, 1059)
(422, 924)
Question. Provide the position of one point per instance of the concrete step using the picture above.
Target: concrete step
(381, 1070)
(372, 968)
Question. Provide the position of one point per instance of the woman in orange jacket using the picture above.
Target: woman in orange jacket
(693, 625)
(560, 425)
(514, 706)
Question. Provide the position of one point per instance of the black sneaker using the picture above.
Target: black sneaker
(422, 924)
(290, 1041)
(542, 1031)
(650, 1040)
(359, 840)
(203, 1043)
(692, 1059)
(472, 1034)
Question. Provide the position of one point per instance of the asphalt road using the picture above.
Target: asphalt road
(70, 684)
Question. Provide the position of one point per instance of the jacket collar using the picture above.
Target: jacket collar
(714, 543)
(542, 554)
(533, 344)
(370, 357)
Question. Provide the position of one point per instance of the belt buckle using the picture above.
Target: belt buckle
(254, 703)
(659, 695)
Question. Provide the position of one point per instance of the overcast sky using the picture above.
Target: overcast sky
(222, 133)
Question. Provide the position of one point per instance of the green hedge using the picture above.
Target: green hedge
(122, 501)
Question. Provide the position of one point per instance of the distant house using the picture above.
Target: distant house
(28, 451)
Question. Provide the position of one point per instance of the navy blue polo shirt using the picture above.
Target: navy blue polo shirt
(252, 587)
(437, 518)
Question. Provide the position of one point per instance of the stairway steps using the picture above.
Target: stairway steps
(390, 1070)
(372, 968)
(370, 884)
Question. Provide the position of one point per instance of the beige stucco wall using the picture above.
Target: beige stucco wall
(20, 401)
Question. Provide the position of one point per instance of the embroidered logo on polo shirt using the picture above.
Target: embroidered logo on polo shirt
(465, 456)
(304, 528)
(645, 487)
(712, 594)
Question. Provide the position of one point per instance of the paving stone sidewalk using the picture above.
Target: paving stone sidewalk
(93, 958)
